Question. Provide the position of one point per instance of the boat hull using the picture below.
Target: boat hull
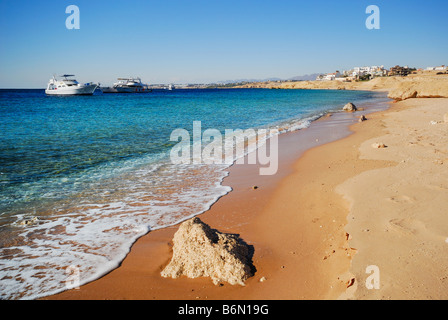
(125, 90)
(73, 91)
(109, 90)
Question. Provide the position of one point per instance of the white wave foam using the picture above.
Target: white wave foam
(95, 229)
(95, 236)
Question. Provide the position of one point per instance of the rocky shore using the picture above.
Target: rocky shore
(420, 85)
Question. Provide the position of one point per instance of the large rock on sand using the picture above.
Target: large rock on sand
(200, 251)
(350, 107)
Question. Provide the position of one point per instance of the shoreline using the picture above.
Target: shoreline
(337, 207)
(138, 276)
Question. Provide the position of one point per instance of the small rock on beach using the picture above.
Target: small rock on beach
(350, 107)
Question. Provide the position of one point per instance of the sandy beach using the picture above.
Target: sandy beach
(337, 206)
(196, 155)
(397, 218)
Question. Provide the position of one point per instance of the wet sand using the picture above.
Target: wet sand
(317, 224)
(293, 220)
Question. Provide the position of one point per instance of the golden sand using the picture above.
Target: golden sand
(341, 220)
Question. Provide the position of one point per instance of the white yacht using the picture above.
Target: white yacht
(68, 86)
(127, 85)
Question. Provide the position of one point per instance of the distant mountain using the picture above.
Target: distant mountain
(307, 77)
(248, 80)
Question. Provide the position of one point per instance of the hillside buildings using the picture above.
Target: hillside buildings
(356, 73)
(329, 76)
(439, 68)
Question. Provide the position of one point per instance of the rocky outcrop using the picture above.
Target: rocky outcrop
(349, 107)
(419, 85)
(420, 88)
(402, 94)
(200, 251)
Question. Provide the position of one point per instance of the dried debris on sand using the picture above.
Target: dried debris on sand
(378, 145)
(200, 251)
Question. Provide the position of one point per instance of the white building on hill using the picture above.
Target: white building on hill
(372, 70)
(439, 68)
(329, 76)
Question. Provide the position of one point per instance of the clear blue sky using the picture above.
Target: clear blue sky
(184, 41)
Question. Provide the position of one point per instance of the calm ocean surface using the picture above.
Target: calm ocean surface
(81, 178)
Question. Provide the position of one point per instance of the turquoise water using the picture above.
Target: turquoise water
(81, 178)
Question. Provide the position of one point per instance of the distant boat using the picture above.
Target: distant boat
(127, 85)
(68, 86)
(171, 87)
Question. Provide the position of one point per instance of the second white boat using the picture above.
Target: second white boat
(127, 85)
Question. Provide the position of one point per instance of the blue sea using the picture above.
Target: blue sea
(83, 177)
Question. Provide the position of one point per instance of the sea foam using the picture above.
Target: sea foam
(88, 216)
